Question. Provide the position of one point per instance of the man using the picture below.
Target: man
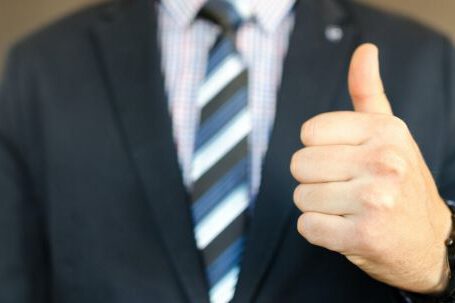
(145, 150)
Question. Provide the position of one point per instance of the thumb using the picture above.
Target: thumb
(365, 84)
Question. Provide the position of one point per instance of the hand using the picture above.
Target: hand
(366, 191)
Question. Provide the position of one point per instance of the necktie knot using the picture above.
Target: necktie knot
(223, 13)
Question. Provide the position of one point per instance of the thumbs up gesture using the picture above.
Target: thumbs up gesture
(365, 190)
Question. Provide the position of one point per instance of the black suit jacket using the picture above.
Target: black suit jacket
(92, 203)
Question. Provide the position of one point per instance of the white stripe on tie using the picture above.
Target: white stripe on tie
(231, 67)
(223, 291)
(232, 133)
(219, 218)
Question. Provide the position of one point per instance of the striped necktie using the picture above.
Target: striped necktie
(220, 171)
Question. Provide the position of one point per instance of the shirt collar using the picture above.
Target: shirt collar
(183, 11)
(268, 13)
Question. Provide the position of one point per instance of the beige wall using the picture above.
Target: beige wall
(17, 17)
(437, 13)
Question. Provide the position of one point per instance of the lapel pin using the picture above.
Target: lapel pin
(334, 33)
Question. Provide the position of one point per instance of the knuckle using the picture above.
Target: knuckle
(306, 228)
(396, 128)
(375, 199)
(294, 164)
(298, 195)
(297, 161)
(305, 197)
(367, 238)
(308, 132)
(399, 124)
(300, 225)
(387, 161)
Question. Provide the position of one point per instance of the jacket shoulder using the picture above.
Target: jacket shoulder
(387, 26)
(63, 35)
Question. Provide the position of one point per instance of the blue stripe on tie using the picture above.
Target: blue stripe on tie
(220, 53)
(229, 259)
(219, 190)
(225, 114)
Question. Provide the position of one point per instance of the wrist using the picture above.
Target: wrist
(443, 231)
(444, 290)
(439, 288)
(435, 269)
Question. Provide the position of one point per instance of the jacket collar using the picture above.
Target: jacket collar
(126, 39)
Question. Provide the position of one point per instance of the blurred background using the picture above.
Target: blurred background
(19, 17)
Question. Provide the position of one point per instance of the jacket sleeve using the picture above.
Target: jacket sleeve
(447, 181)
(23, 269)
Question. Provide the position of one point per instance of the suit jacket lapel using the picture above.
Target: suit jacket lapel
(127, 38)
(314, 73)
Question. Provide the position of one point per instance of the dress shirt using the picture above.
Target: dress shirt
(185, 42)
